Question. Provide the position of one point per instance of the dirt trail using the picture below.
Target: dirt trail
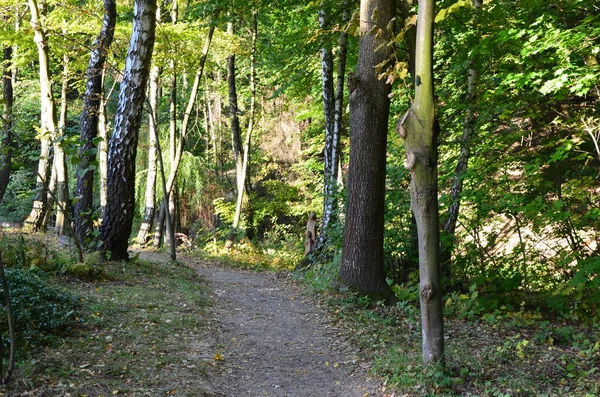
(275, 341)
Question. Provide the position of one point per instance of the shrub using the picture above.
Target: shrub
(37, 306)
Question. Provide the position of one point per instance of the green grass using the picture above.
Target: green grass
(144, 332)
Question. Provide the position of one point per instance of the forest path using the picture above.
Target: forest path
(274, 340)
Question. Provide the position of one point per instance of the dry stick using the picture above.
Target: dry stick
(70, 230)
(11, 325)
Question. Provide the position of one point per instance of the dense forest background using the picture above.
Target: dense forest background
(238, 99)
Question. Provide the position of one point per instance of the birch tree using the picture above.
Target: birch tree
(90, 126)
(47, 131)
(118, 218)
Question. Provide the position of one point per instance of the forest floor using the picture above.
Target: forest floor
(272, 339)
(216, 331)
(204, 328)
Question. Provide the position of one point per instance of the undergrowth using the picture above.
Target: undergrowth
(115, 332)
(496, 345)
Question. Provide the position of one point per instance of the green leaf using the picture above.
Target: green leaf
(445, 12)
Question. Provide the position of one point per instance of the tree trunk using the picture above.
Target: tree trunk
(103, 135)
(243, 180)
(150, 199)
(362, 256)
(417, 127)
(91, 127)
(36, 217)
(118, 219)
(60, 161)
(236, 134)
(7, 121)
(338, 125)
(463, 161)
(329, 98)
(184, 130)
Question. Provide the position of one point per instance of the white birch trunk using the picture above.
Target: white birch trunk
(48, 123)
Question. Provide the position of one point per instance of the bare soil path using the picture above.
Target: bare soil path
(274, 340)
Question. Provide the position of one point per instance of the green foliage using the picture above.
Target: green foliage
(17, 201)
(38, 307)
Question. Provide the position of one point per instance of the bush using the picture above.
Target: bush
(38, 307)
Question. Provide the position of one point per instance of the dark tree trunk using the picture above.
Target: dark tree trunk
(236, 133)
(118, 219)
(362, 256)
(89, 124)
(7, 122)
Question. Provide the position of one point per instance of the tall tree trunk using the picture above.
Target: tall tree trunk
(184, 131)
(417, 127)
(362, 256)
(236, 134)
(338, 125)
(463, 160)
(150, 199)
(243, 180)
(60, 159)
(118, 219)
(327, 92)
(173, 125)
(7, 121)
(103, 135)
(48, 122)
(93, 110)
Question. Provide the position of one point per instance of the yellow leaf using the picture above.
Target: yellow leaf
(218, 357)
(453, 8)
(375, 14)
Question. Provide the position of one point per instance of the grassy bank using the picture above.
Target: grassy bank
(140, 328)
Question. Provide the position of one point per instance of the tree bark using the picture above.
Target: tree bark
(236, 134)
(362, 256)
(60, 159)
(118, 219)
(243, 180)
(7, 121)
(103, 136)
(90, 127)
(149, 197)
(328, 95)
(417, 127)
(463, 161)
(338, 125)
(36, 217)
